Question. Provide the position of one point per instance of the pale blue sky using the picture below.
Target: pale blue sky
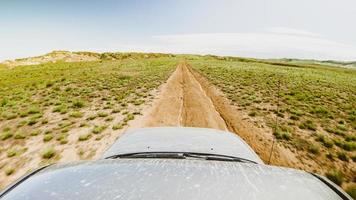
(319, 29)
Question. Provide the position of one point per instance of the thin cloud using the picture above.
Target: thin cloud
(291, 31)
(275, 42)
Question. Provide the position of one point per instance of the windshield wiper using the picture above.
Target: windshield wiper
(182, 155)
(173, 155)
(207, 156)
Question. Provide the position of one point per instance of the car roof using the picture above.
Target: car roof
(169, 179)
(182, 139)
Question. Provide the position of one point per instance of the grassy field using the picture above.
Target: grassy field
(316, 112)
(48, 108)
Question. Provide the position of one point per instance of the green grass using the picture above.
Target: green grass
(27, 92)
(324, 95)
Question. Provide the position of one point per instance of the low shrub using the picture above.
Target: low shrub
(36, 132)
(98, 129)
(117, 126)
(103, 114)
(129, 117)
(335, 176)
(349, 146)
(76, 114)
(33, 110)
(325, 141)
(47, 137)
(351, 190)
(91, 117)
(314, 149)
(6, 135)
(252, 113)
(9, 171)
(342, 156)
(84, 137)
(78, 103)
(308, 124)
(19, 135)
(48, 153)
(108, 119)
(11, 153)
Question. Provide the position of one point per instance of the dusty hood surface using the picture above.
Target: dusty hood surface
(170, 179)
(179, 139)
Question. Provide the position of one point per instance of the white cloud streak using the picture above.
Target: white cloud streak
(273, 43)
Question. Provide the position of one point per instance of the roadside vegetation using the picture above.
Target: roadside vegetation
(50, 108)
(316, 112)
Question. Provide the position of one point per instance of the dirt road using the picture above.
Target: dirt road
(187, 99)
(183, 102)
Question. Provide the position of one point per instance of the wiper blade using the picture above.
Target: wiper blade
(218, 157)
(149, 155)
(182, 155)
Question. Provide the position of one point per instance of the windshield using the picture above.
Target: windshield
(169, 179)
